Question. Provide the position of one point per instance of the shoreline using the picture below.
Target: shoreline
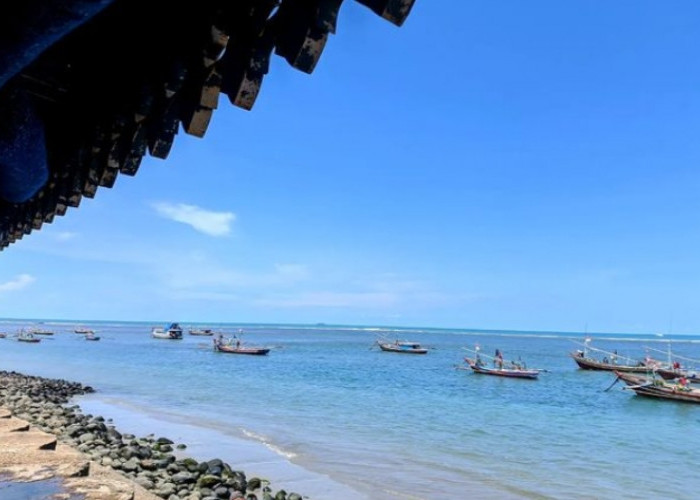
(252, 455)
(147, 463)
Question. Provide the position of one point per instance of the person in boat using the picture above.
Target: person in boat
(683, 384)
(479, 361)
(238, 343)
(579, 353)
(605, 360)
(498, 359)
(613, 357)
(676, 365)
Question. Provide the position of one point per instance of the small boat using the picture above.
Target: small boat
(28, 337)
(201, 331)
(659, 388)
(91, 336)
(172, 332)
(230, 347)
(512, 372)
(3, 335)
(83, 330)
(40, 331)
(510, 369)
(612, 361)
(403, 347)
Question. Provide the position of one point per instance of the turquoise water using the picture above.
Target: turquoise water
(397, 426)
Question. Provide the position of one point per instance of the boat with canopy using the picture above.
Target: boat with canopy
(172, 332)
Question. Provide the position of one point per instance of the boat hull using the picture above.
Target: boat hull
(402, 349)
(658, 389)
(503, 372)
(592, 364)
(250, 351)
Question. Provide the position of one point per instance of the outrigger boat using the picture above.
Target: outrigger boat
(511, 369)
(660, 389)
(91, 336)
(612, 363)
(228, 346)
(403, 347)
(172, 332)
(83, 331)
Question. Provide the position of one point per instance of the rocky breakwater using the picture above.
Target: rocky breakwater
(148, 461)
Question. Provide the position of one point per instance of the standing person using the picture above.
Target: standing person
(613, 357)
(498, 359)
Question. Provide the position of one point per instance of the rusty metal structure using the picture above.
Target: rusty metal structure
(88, 87)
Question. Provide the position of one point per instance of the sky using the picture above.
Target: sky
(490, 164)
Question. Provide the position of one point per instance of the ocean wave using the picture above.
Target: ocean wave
(266, 442)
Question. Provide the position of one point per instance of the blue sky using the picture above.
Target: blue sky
(507, 165)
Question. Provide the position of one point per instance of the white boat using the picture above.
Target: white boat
(84, 331)
(172, 332)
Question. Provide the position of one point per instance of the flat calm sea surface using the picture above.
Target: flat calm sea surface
(332, 417)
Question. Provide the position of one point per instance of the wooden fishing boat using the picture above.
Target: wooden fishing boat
(588, 363)
(3, 335)
(228, 346)
(511, 372)
(92, 336)
(612, 361)
(27, 337)
(659, 388)
(402, 347)
(171, 332)
(232, 349)
(83, 331)
(201, 331)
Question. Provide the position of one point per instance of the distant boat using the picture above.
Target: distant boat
(28, 337)
(402, 347)
(172, 332)
(91, 336)
(83, 330)
(40, 331)
(659, 389)
(230, 347)
(201, 331)
(2, 335)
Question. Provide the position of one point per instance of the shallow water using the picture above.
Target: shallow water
(344, 417)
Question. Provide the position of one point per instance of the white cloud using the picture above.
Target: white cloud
(21, 281)
(204, 221)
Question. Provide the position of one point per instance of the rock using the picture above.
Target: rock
(207, 481)
(144, 482)
(222, 492)
(87, 437)
(183, 477)
(181, 446)
(166, 490)
(294, 496)
(162, 440)
(131, 465)
(254, 483)
(281, 495)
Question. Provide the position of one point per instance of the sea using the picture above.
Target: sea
(328, 415)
